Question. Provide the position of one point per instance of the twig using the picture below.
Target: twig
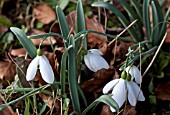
(155, 55)
(122, 32)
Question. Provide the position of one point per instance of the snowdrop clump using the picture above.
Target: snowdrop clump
(125, 86)
(44, 66)
(94, 61)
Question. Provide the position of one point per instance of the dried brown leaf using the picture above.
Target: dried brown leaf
(106, 110)
(7, 72)
(100, 77)
(18, 52)
(162, 91)
(8, 110)
(44, 13)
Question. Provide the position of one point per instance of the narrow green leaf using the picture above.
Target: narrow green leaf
(136, 4)
(73, 75)
(63, 69)
(82, 96)
(163, 28)
(63, 24)
(163, 3)
(2, 106)
(107, 99)
(159, 10)
(133, 16)
(121, 17)
(26, 43)
(155, 31)
(27, 108)
(45, 35)
(100, 33)
(43, 107)
(80, 22)
(146, 18)
(63, 3)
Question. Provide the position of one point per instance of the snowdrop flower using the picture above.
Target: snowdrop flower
(121, 87)
(94, 61)
(45, 68)
(135, 73)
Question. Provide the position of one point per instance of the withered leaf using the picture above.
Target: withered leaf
(8, 110)
(7, 72)
(99, 78)
(44, 13)
(162, 91)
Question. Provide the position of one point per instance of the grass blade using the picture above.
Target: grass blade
(26, 43)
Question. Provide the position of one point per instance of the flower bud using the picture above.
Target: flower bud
(39, 52)
(123, 75)
(128, 77)
(84, 52)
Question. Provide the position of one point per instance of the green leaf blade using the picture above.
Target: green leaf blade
(107, 99)
(73, 75)
(121, 17)
(26, 43)
(63, 24)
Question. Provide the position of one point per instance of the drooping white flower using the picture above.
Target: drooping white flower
(135, 73)
(94, 61)
(121, 87)
(45, 69)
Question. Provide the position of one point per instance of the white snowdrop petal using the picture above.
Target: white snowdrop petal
(95, 51)
(109, 86)
(136, 74)
(128, 70)
(98, 62)
(119, 92)
(137, 91)
(32, 69)
(46, 70)
(131, 94)
(112, 109)
(87, 62)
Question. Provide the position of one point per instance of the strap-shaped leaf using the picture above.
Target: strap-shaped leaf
(163, 28)
(80, 22)
(121, 17)
(64, 28)
(133, 16)
(146, 19)
(155, 31)
(73, 75)
(63, 69)
(136, 5)
(107, 99)
(26, 43)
